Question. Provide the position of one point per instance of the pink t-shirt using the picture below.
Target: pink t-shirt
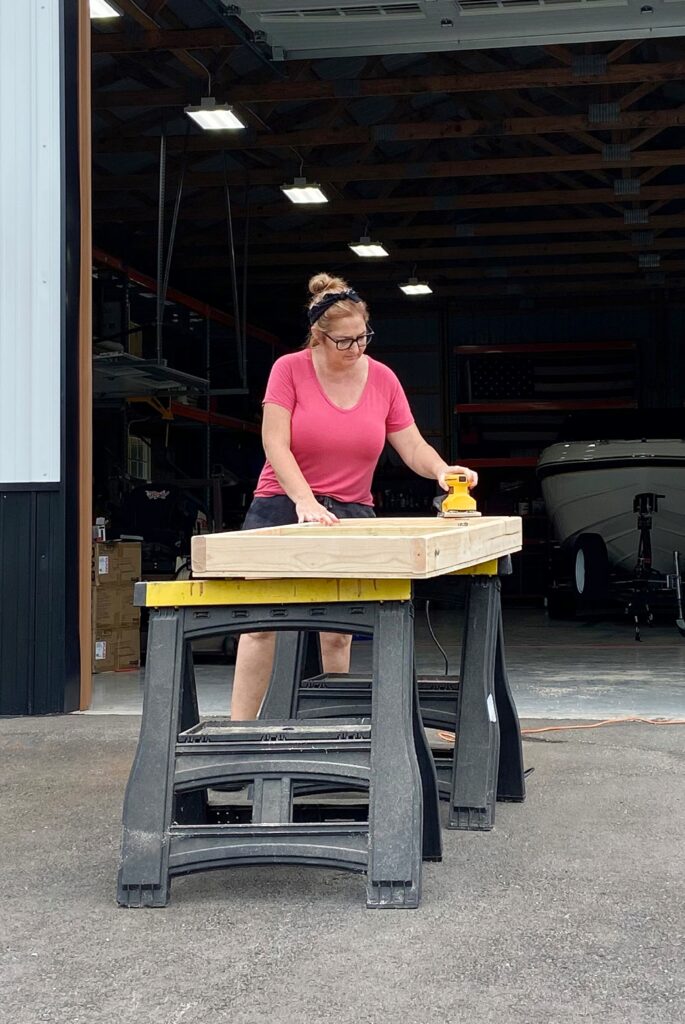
(336, 449)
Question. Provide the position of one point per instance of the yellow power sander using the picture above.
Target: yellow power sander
(457, 503)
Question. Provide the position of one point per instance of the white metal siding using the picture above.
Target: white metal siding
(30, 241)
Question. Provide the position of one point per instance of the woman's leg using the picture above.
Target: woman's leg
(255, 660)
(335, 652)
(253, 664)
(255, 656)
(336, 647)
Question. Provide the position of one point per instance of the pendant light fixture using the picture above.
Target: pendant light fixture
(367, 249)
(213, 116)
(304, 193)
(415, 287)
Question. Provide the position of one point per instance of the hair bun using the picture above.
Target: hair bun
(321, 283)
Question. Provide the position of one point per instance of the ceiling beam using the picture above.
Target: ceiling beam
(405, 204)
(535, 289)
(409, 85)
(548, 269)
(439, 276)
(402, 171)
(518, 102)
(650, 133)
(622, 49)
(548, 146)
(502, 228)
(146, 21)
(133, 142)
(629, 99)
(551, 270)
(513, 291)
(162, 39)
(560, 53)
(451, 253)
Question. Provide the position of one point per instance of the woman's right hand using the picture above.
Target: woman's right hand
(310, 511)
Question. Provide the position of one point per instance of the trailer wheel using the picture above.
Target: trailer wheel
(590, 567)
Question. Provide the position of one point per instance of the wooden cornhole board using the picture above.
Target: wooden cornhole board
(357, 549)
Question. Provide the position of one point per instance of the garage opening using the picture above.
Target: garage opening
(502, 183)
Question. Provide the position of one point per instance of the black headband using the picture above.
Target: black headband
(318, 309)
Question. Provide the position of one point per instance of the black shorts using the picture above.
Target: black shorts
(280, 511)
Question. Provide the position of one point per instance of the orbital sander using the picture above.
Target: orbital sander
(457, 503)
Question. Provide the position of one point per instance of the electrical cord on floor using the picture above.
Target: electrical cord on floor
(435, 639)
(606, 721)
(449, 736)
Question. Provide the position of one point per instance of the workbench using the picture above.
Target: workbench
(168, 827)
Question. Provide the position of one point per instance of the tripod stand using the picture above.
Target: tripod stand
(645, 505)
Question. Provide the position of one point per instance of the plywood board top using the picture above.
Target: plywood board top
(416, 548)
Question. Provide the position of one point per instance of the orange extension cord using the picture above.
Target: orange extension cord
(449, 736)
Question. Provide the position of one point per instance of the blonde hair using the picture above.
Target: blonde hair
(321, 285)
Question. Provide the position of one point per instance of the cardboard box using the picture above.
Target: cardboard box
(104, 647)
(113, 608)
(116, 649)
(130, 560)
(128, 648)
(116, 562)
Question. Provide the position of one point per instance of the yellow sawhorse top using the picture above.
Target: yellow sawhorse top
(187, 593)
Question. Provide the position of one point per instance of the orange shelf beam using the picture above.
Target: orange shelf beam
(104, 259)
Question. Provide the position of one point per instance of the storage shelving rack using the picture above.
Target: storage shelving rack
(196, 386)
(511, 400)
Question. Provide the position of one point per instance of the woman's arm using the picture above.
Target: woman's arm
(416, 453)
(276, 441)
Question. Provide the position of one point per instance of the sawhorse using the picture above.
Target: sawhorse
(166, 826)
(487, 762)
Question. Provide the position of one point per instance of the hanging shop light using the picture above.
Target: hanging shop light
(367, 249)
(103, 9)
(303, 193)
(415, 287)
(213, 116)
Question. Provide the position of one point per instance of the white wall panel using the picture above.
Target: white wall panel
(30, 241)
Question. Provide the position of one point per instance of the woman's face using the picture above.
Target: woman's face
(342, 330)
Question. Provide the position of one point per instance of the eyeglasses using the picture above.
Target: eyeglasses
(345, 344)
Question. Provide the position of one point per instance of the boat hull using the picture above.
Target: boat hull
(590, 487)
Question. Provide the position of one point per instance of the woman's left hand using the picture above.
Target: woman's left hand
(470, 474)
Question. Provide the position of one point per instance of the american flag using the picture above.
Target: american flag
(551, 376)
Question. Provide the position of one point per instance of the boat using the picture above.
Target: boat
(593, 488)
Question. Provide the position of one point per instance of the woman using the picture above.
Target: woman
(328, 411)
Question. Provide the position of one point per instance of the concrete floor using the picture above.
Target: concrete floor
(571, 910)
(564, 670)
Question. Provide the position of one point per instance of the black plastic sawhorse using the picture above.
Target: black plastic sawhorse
(487, 762)
(166, 827)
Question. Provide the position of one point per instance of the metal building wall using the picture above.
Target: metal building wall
(32, 601)
(30, 241)
(39, 317)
